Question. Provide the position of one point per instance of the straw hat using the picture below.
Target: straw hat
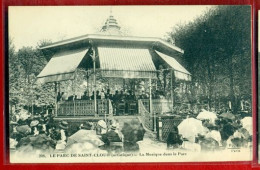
(102, 124)
(34, 123)
(64, 125)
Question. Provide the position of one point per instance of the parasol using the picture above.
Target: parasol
(247, 124)
(214, 134)
(190, 127)
(83, 135)
(245, 134)
(206, 115)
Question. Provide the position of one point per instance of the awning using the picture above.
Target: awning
(179, 71)
(61, 66)
(126, 62)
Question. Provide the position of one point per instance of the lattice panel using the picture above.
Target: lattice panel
(84, 108)
(102, 107)
(66, 109)
(167, 126)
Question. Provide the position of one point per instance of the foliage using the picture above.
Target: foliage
(217, 53)
(24, 66)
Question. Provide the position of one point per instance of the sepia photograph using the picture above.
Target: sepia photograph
(92, 84)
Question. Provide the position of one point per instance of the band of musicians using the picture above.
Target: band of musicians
(124, 102)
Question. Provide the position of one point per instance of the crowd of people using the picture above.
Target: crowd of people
(204, 131)
(217, 132)
(31, 133)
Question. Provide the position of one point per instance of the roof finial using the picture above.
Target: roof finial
(110, 10)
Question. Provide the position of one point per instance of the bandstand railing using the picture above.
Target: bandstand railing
(145, 116)
(78, 108)
(158, 105)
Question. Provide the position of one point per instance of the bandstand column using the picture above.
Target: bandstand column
(151, 103)
(94, 77)
(171, 92)
(74, 97)
(56, 107)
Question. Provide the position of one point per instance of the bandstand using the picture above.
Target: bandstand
(113, 56)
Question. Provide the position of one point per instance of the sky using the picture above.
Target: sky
(29, 25)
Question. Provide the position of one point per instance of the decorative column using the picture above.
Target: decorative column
(74, 96)
(171, 92)
(95, 85)
(56, 107)
(151, 104)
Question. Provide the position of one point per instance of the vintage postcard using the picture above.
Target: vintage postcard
(258, 85)
(129, 84)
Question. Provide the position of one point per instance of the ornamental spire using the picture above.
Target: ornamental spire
(111, 26)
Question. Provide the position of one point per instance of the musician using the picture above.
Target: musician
(85, 96)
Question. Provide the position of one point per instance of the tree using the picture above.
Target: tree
(24, 66)
(217, 53)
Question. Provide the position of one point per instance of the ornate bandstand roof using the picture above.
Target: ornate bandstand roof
(116, 55)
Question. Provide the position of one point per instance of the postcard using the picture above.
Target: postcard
(94, 84)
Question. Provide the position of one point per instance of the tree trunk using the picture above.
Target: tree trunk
(210, 82)
(231, 84)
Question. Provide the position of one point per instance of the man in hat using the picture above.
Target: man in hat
(111, 136)
(61, 143)
(86, 126)
(85, 96)
(34, 125)
(101, 127)
(174, 138)
(108, 95)
(64, 130)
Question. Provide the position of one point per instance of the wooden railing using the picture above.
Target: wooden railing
(84, 108)
(159, 105)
